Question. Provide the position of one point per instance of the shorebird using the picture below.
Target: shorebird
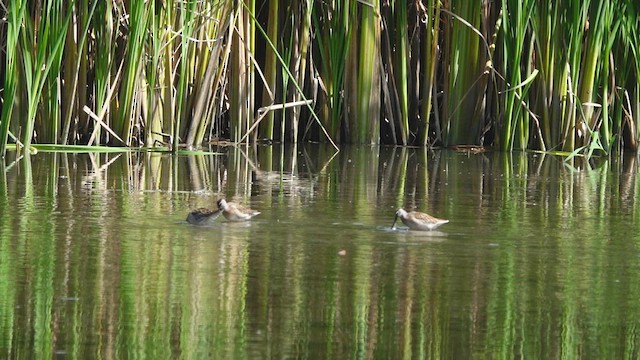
(203, 216)
(417, 221)
(235, 212)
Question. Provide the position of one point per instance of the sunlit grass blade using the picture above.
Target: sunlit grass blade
(41, 51)
(214, 58)
(402, 71)
(11, 70)
(238, 96)
(77, 81)
(363, 85)
(429, 62)
(154, 78)
(515, 24)
(266, 130)
(105, 58)
(288, 75)
(129, 93)
(628, 111)
(464, 58)
(302, 39)
(333, 32)
(79, 148)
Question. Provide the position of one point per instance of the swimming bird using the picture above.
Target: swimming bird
(203, 216)
(235, 212)
(417, 221)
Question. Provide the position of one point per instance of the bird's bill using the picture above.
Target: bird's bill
(395, 219)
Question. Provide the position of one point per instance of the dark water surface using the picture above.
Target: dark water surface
(541, 258)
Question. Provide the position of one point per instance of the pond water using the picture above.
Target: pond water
(541, 258)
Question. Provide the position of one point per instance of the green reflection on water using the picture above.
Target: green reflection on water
(540, 258)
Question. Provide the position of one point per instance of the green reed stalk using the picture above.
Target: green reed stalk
(286, 43)
(634, 106)
(429, 61)
(82, 85)
(515, 22)
(138, 20)
(198, 55)
(559, 63)
(590, 60)
(14, 23)
(70, 76)
(463, 57)
(607, 94)
(185, 21)
(400, 67)
(287, 75)
(238, 97)
(154, 78)
(595, 75)
(290, 59)
(363, 87)
(301, 48)
(47, 120)
(331, 22)
(629, 53)
(166, 78)
(250, 46)
(76, 78)
(369, 80)
(270, 70)
(576, 16)
(543, 22)
(243, 71)
(104, 59)
(41, 52)
(205, 106)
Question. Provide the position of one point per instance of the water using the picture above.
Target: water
(540, 260)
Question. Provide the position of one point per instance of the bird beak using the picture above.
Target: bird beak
(393, 227)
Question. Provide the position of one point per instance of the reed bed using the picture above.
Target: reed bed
(172, 74)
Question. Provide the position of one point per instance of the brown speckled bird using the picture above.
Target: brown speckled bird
(417, 221)
(203, 216)
(235, 212)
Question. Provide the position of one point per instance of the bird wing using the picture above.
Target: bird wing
(425, 217)
(246, 210)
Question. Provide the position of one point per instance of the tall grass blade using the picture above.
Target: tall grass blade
(11, 70)
(515, 24)
(41, 51)
(331, 21)
(77, 76)
(429, 62)
(287, 74)
(465, 60)
(212, 56)
(238, 95)
(266, 130)
(129, 93)
(299, 60)
(363, 86)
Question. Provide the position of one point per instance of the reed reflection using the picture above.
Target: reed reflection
(97, 260)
